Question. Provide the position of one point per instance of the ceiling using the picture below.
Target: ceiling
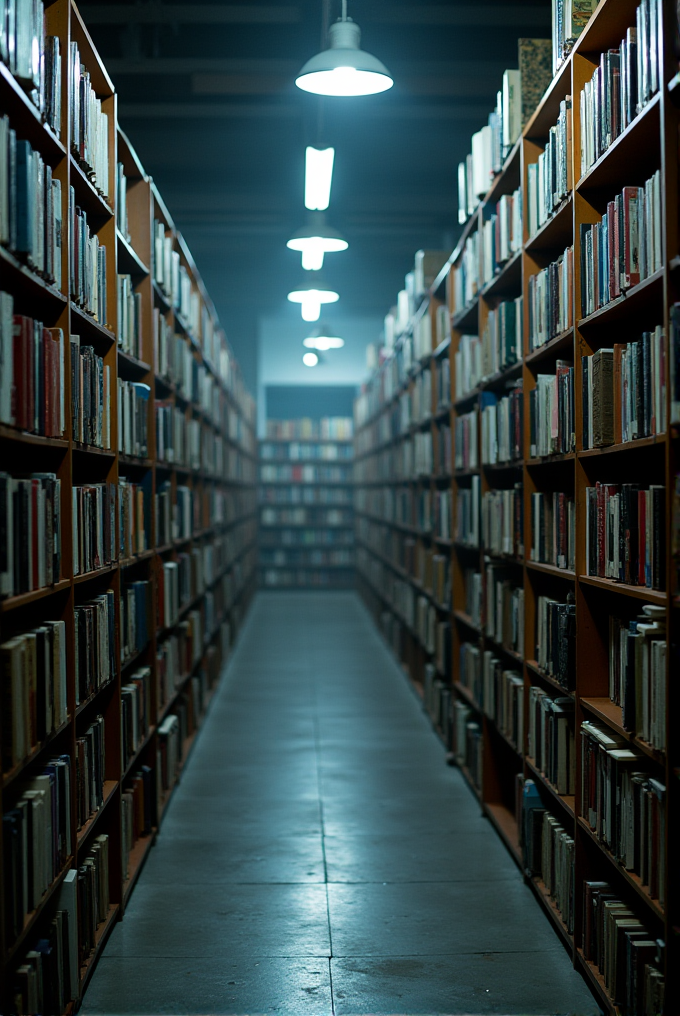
(206, 95)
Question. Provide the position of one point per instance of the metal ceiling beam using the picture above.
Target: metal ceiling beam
(463, 112)
(173, 66)
(188, 14)
(462, 15)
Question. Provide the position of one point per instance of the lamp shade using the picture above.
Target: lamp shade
(344, 68)
(322, 338)
(311, 295)
(315, 239)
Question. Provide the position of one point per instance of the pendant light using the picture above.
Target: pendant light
(315, 239)
(311, 295)
(344, 68)
(310, 360)
(322, 338)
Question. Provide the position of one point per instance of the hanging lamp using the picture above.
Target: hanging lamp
(322, 338)
(315, 239)
(311, 295)
(344, 68)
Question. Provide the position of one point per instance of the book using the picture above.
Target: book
(135, 711)
(551, 738)
(501, 425)
(569, 18)
(94, 644)
(549, 179)
(90, 396)
(550, 300)
(556, 639)
(552, 429)
(95, 530)
(553, 529)
(31, 534)
(93, 894)
(89, 139)
(33, 373)
(504, 607)
(502, 521)
(625, 533)
(90, 770)
(534, 57)
(129, 317)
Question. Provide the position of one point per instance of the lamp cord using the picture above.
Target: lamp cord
(344, 10)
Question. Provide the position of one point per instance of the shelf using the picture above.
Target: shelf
(100, 937)
(639, 592)
(467, 696)
(610, 714)
(498, 379)
(551, 569)
(101, 337)
(31, 292)
(508, 280)
(131, 363)
(24, 599)
(465, 619)
(82, 706)
(557, 232)
(129, 261)
(631, 158)
(566, 801)
(21, 767)
(631, 878)
(87, 449)
(32, 919)
(560, 343)
(136, 859)
(25, 438)
(536, 671)
(657, 440)
(98, 573)
(507, 180)
(635, 300)
(551, 460)
(88, 197)
(130, 562)
(596, 983)
(110, 787)
(466, 318)
(15, 102)
(550, 907)
(470, 782)
(506, 827)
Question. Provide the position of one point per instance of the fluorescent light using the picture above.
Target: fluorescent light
(323, 342)
(310, 359)
(318, 177)
(344, 68)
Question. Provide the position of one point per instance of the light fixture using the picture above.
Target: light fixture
(310, 359)
(344, 68)
(318, 177)
(322, 339)
(316, 239)
(311, 295)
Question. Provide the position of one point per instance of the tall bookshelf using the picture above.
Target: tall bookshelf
(167, 672)
(306, 518)
(481, 726)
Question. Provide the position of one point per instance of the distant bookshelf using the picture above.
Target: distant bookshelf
(549, 670)
(306, 513)
(127, 559)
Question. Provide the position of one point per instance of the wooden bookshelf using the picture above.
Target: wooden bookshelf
(222, 485)
(306, 538)
(648, 144)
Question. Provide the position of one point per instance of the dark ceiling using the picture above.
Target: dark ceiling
(206, 95)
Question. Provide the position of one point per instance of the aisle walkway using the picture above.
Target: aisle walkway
(318, 856)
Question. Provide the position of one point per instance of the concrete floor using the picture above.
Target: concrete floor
(319, 857)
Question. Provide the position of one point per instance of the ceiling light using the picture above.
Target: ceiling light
(311, 295)
(322, 339)
(344, 68)
(318, 177)
(316, 239)
(310, 359)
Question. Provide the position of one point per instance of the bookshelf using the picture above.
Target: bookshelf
(120, 641)
(488, 670)
(306, 536)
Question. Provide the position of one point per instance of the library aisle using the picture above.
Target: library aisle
(318, 856)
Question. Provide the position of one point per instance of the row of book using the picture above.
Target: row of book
(133, 418)
(87, 265)
(329, 428)
(500, 236)
(136, 618)
(501, 430)
(90, 771)
(504, 608)
(298, 495)
(502, 339)
(302, 578)
(568, 21)
(134, 515)
(622, 84)
(549, 179)
(305, 517)
(94, 647)
(95, 541)
(466, 441)
(637, 673)
(626, 953)
(138, 801)
(548, 852)
(556, 639)
(32, 56)
(474, 598)
(502, 520)
(553, 529)
(89, 124)
(33, 688)
(30, 532)
(90, 396)
(93, 894)
(32, 372)
(552, 424)
(305, 474)
(36, 840)
(551, 738)
(467, 513)
(551, 306)
(625, 533)
(625, 391)
(468, 742)
(503, 698)
(122, 221)
(30, 206)
(624, 805)
(307, 538)
(309, 558)
(296, 451)
(624, 248)
(490, 146)
(135, 711)
(130, 333)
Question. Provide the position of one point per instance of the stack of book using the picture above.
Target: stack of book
(30, 532)
(502, 337)
(33, 373)
(95, 644)
(549, 179)
(129, 317)
(90, 396)
(504, 608)
(556, 639)
(551, 300)
(90, 771)
(503, 521)
(93, 894)
(502, 426)
(552, 427)
(553, 529)
(637, 669)
(467, 514)
(87, 265)
(135, 711)
(551, 739)
(625, 533)
(569, 18)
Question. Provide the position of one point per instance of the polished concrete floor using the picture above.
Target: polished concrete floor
(318, 856)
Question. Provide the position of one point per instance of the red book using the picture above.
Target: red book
(631, 237)
(49, 365)
(20, 403)
(611, 246)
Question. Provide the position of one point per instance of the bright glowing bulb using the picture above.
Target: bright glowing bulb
(311, 309)
(310, 359)
(318, 177)
(323, 342)
(344, 81)
(312, 257)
